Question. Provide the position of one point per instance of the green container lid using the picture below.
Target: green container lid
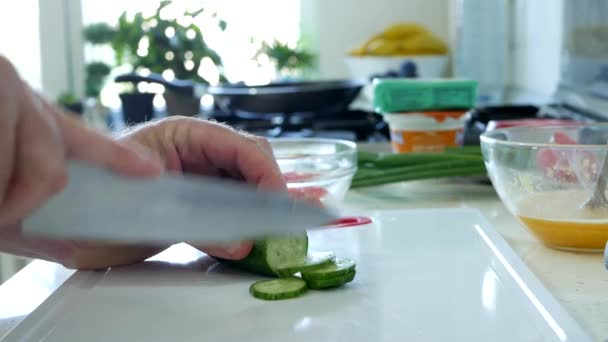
(406, 95)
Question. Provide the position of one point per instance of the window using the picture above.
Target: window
(248, 24)
(22, 46)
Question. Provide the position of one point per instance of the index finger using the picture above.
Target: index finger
(86, 144)
(228, 150)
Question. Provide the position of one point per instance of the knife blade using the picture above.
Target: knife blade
(98, 204)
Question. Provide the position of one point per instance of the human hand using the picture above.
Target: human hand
(189, 145)
(36, 140)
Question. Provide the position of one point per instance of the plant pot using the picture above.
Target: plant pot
(137, 107)
(181, 104)
(75, 108)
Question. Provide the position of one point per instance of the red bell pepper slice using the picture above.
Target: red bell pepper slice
(556, 163)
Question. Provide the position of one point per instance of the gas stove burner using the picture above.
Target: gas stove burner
(354, 125)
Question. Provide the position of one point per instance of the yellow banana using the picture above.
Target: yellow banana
(422, 45)
(403, 30)
(402, 39)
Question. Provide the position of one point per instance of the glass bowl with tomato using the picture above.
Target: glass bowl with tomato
(316, 168)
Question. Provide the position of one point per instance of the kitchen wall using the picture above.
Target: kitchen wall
(336, 26)
(536, 46)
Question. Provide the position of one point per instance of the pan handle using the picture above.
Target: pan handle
(185, 87)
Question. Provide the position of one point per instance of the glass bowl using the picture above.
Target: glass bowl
(544, 175)
(316, 168)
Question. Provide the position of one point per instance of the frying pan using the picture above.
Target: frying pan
(325, 97)
(319, 97)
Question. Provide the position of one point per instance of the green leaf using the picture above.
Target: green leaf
(97, 69)
(67, 98)
(162, 5)
(223, 25)
(195, 13)
(130, 32)
(99, 33)
(217, 60)
(286, 58)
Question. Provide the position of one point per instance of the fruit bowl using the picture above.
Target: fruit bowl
(544, 175)
(317, 169)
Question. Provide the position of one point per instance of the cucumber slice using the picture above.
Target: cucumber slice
(318, 284)
(267, 255)
(311, 262)
(277, 289)
(338, 268)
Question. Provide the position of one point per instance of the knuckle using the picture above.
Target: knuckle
(176, 120)
(176, 123)
(249, 138)
(171, 119)
(264, 143)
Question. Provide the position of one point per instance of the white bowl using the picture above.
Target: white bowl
(366, 66)
(427, 66)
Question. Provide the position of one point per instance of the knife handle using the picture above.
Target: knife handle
(347, 222)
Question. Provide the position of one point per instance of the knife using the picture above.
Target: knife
(98, 204)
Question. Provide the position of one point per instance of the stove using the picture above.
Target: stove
(356, 125)
(349, 124)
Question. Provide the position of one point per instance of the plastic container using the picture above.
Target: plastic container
(394, 95)
(425, 131)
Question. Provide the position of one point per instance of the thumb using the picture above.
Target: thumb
(85, 144)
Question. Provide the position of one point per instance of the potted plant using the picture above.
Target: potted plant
(70, 102)
(96, 72)
(288, 62)
(158, 44)
(137, 107)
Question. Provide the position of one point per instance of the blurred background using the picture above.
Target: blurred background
(73, 50)
(255, 64)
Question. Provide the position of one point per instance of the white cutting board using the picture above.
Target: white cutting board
(424, 275)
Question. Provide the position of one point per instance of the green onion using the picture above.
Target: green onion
(461, 171)
(395, 171)
(382, 168)
(384, 160)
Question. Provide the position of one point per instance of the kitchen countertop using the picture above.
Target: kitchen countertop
(577, 280)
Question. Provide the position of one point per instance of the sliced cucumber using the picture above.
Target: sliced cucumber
(277, 289)
(267, 255)
(311, 262)
(338, 268)
(318, 284)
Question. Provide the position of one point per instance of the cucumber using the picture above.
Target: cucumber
(311, 262)
(318, 284)
(277, 289)
(268, 254)
(339, 268)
